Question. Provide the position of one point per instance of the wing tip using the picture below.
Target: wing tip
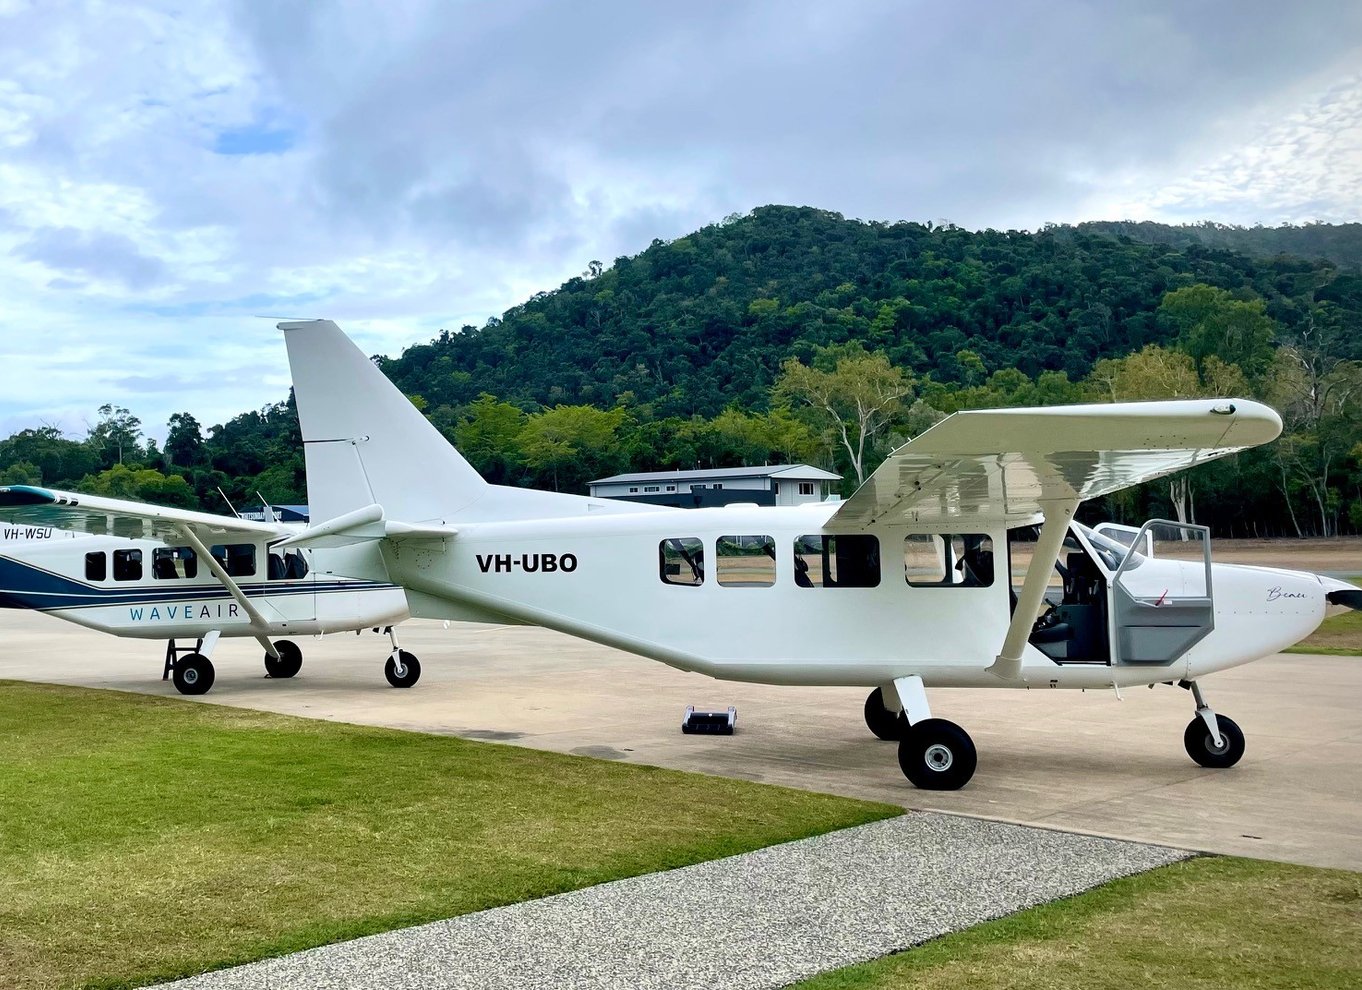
(12, 496)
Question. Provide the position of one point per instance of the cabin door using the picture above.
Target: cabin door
(1158, 616)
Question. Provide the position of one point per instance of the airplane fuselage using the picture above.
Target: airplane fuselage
(133, 588)
(743, 593)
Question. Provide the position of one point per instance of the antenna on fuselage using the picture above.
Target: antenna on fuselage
(228, 501)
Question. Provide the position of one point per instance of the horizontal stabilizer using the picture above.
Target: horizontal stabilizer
(360, 526)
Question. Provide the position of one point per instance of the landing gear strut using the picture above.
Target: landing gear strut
(935, 754)
(188, 667)
(402, 669)
(288, 663)
(1212, 740)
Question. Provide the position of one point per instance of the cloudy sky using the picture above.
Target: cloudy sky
(174, 178)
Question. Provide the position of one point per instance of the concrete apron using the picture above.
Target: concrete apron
(1085, 762)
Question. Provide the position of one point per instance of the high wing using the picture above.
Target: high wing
(1007, 464)
(101, 516)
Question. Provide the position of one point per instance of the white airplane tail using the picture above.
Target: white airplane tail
(366, 445)
(365, 442)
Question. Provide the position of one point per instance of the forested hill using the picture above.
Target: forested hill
(791, 335)
(1340, 243)
(695, 324)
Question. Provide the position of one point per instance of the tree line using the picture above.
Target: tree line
(797, 335)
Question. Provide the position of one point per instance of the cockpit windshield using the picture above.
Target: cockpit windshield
(1111, 552)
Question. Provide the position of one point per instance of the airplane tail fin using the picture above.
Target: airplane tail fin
(365, 442)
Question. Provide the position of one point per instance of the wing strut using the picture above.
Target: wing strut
(258, 621)
(1008, 663)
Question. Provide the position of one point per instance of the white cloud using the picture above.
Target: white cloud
(170, 171)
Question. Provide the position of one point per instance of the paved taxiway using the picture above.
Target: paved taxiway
(1080, 761)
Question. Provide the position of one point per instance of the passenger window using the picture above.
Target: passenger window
(837, 561)
(963, 560)
(173, 563)
(746, 561)
(682, 561)
(96, 566)
(237, 559)
(924, 559)
(127, 565)
(972, 554)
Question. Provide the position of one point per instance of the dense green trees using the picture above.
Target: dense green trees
(759, 338)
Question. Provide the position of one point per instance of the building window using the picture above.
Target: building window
(171, 563)
(127, 565)
(96, 566)
(718, 485)
(962, 560)
(237, 559)
(671, 488)
(806, 488)
(651, 488)
(837, 561)
(682, 561)
(633, 488)
(746, 561)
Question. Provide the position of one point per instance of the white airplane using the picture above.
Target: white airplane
(894, 589)
(151, 572)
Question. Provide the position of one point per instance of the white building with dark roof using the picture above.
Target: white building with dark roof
(776, 484)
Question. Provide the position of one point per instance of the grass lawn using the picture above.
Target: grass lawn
(1340, 635)
(1205, 924)
(146, 838)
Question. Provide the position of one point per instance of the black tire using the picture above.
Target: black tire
(937, 755)
(1202, 748)
(885, 724)
(192, 674)
(289, 663)
(411, 672)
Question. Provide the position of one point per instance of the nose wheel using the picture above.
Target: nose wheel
(1211, 740)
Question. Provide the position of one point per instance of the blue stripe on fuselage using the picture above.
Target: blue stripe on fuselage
(27, 586)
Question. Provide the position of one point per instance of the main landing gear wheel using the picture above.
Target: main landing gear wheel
(937, 755)
(289, 663)
(1201, 746)
(192, 674)
(885, 724)
(403, 670)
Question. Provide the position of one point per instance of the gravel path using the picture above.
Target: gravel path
(762, 919)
